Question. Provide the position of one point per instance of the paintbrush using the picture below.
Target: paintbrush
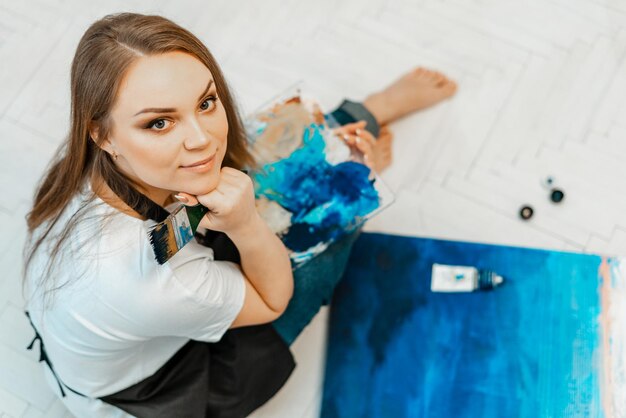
(169, 236)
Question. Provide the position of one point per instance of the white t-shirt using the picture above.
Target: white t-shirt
(127, 315)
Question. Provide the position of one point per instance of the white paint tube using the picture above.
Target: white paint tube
(462, 279)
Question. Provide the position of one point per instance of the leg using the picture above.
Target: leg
(314, 282)
(416, 90)
(316, 279)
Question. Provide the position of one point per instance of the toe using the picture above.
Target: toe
(449, 89)
(430, 74)
(440, 80)
(446, 84)
(422, 72)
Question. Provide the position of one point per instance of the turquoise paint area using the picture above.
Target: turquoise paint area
(530, 348)
(325, 200)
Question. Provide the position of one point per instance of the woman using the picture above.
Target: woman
(152, 120)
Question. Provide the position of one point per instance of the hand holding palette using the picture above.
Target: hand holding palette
(311, 188)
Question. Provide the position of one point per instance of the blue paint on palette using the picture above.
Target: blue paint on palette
(324, 199)
(527, 349)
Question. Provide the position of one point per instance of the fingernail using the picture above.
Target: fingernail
(358, 131)
(183, 199)
(346, 137)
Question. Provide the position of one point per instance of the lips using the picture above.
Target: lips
(200, 162)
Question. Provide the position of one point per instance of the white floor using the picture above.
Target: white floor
(542, 92)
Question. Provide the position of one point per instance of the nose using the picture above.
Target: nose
(196, 135)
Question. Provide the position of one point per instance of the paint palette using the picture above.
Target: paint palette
(310, 187)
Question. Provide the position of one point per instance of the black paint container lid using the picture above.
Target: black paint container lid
(526, 212)
(557, 195)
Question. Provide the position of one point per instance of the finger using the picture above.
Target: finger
(232, 176)
(237, 182)
(349, 139)
(228, 173)
(227, 190)
(214, 201)
(368, 161)
(363, 146)
(337, 131)
(233, 171)
(186, 199)
(354, 125)
(351, 127)
(227, 178)
(366, 135)
(342, 131)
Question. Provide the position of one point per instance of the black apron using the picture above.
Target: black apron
(226, 379)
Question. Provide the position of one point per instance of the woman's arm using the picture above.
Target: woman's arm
(264, 259)
(267, 268)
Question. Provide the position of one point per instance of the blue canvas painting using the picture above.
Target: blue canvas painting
(547, 343)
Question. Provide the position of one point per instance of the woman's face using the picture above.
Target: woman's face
(167, 116)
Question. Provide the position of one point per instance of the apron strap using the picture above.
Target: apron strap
(43, 356)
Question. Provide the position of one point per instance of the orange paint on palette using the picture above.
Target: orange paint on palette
(284, 131)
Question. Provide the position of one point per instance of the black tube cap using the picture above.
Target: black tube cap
(557, 195)
(526, 212)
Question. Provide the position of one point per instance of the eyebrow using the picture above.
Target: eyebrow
(170, 109)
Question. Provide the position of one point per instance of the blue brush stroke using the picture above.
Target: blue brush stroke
(526, 349)
(325, 200)
(185, 234)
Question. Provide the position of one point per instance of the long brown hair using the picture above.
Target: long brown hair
(105, 52)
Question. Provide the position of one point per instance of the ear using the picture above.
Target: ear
(94, 135)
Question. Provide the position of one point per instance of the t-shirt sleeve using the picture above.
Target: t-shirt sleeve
(194, 295)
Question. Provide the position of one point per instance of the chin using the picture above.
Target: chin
(202, 185)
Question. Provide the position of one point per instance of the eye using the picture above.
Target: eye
(158, 123)
(212, 99)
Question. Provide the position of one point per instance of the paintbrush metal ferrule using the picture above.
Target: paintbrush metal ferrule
(169, 236)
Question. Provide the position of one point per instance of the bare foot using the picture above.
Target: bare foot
(418, 89)
(382, 149)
